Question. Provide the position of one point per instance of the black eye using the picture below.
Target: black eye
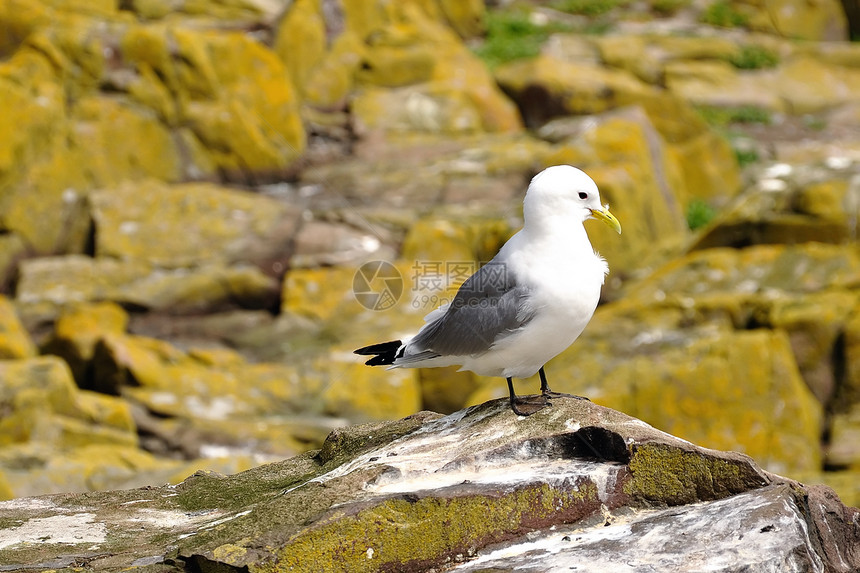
(583, 195)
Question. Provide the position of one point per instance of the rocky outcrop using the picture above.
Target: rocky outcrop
(575, 485)
(189, 192)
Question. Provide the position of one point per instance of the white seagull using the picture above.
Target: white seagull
(526, 305)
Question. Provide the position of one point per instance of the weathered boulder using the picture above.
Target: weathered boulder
(48, 283)
(175, 226)
(479, 488)
(822, 20)
(704, 165)
(788, 204)
(681, 376)
(648, 56)
(59, 438)
(15, 342)
(77, 331)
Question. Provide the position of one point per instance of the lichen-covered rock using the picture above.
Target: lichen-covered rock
(719, 84)
(78, 329)
(236, 11)
(815, 325)
(192, 224)
(56, 437)
(15, 342)
(682, 377)
(739, 278)
(353, 391)
(545, 87)
(809, 85)
(478, 488)
(786, 205)
(56, 281)
(821, 20)
(449, 90)
(648, 56)
(248, 124)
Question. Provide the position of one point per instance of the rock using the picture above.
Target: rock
(677, 374)
(195, 224)
(322, 244)
(719, 84)
(544, 88)
(250, 124)
(12, 249)
(14, 340)
(842, 451)
(58, 438)
(211, 399)
(77, 331)
(55, 281)
(809, 85)
(354, 391)
(851, 347)
(46, 405)
(448, 88)
(648, 56)
(651, 539)
(243, 10)
(823, 20)
(556, 487)
(786, 205)
(815, 324)
(743, 278)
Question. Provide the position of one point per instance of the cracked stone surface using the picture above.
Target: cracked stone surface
(574, 487)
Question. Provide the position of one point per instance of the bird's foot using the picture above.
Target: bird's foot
(528, 405)
(549, 394)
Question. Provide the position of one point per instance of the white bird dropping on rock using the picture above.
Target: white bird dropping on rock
(526, 305)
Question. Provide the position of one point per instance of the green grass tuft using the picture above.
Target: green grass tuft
(587, 7)
(754, 57)
(724, 15)
(511, 35)
(721, 117)
(699, 214)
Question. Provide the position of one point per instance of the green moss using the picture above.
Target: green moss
(207, 490)
(723, 116)
(746, 156)
(699, 214)
(588, 7)
(752, 57)
(409, 533)
(673, 476)
(723, 14)
(512, 35)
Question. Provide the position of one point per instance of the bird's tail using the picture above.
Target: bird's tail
(383, 353)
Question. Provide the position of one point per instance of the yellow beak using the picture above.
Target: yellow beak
(607, 217)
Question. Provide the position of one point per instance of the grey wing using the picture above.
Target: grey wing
(488, 306)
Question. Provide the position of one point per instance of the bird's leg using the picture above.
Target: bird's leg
(544, 386)
(532, 407)
(547, 393)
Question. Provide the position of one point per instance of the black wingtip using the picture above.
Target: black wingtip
(383, 353)
(379, 348)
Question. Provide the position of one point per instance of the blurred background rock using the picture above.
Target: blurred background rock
(188, 191)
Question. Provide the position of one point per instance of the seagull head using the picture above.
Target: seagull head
(562, 194)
